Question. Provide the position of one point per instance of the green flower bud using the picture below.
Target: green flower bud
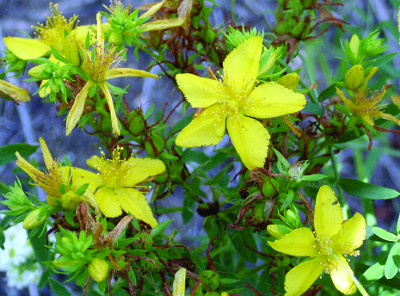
(71, 50)
(116, 38)
(270, 187)
(98, 269)
(282, 27)
(354, 77)
(38, 72)
(353, 49)
(209, 36)
(70, 200)
(274, 231)
(290, 80)
(210, 278)
(298, 28)
(35, 218)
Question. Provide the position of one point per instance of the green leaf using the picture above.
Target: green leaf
(314, 108)
(398, 225)
(58, 288)
(393, 262)
(240, 240)
(384, 234)
(160, 228)
(282, 160)
(366, 190)
(327, 92)
(375, 272)
(7, 153)
(38, 242)
(313, 178)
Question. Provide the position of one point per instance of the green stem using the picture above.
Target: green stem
(353, 277)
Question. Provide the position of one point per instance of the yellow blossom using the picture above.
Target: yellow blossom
(10, 90)
(101, 68)
(328, 245)
(58, 177)
(116, 184)
(235, 100)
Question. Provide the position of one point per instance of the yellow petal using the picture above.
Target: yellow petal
(207, 128)
(346, 101)
(134, 202)
(341, 279)
(153, 9)
(100, 36)
(80, 177)
(127, 72)
(162, 24)
(108, 202)
(299, 242)
(141, 169)
(77, 109)
(114, 120)
(250, 139)
(271, 100)
(199, 92)
(29, 169)
(328, 216)
(387, 117)
(301, 277)
(241, 65)
(26, 49)
(178, 288)
(351, 236)
(48, 159)
(13, 91)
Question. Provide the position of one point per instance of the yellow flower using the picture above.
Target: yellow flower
(328, 245)
(52, 34)
(367, 108)
(234, 100)
(116, 181)
(58, 179)
(101, 68)
(10, 90)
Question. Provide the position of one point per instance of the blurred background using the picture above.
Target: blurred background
(319, 59)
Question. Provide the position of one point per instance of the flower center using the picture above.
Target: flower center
(54, 32)
(113, 170)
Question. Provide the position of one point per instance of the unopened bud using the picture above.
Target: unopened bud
(71, 50)
(354, 46)
(37, 72)
(274, 231)
(70, 200)
(116, 38)
(98, 269)
(354, 77)
(35, 218)
(290, 80)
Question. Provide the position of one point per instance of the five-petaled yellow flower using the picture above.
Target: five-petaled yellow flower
(116, 184)
(235, 99)
(331, 241)
(101, 68)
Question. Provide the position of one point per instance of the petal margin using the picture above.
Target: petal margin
(341, 279)
(207, 128)
(328, 218)
(199, 92)
(299, 242)
(250, 139)
(351, 236)
(271, 99)
(241, 64)
(134, 202)
(301, 277)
